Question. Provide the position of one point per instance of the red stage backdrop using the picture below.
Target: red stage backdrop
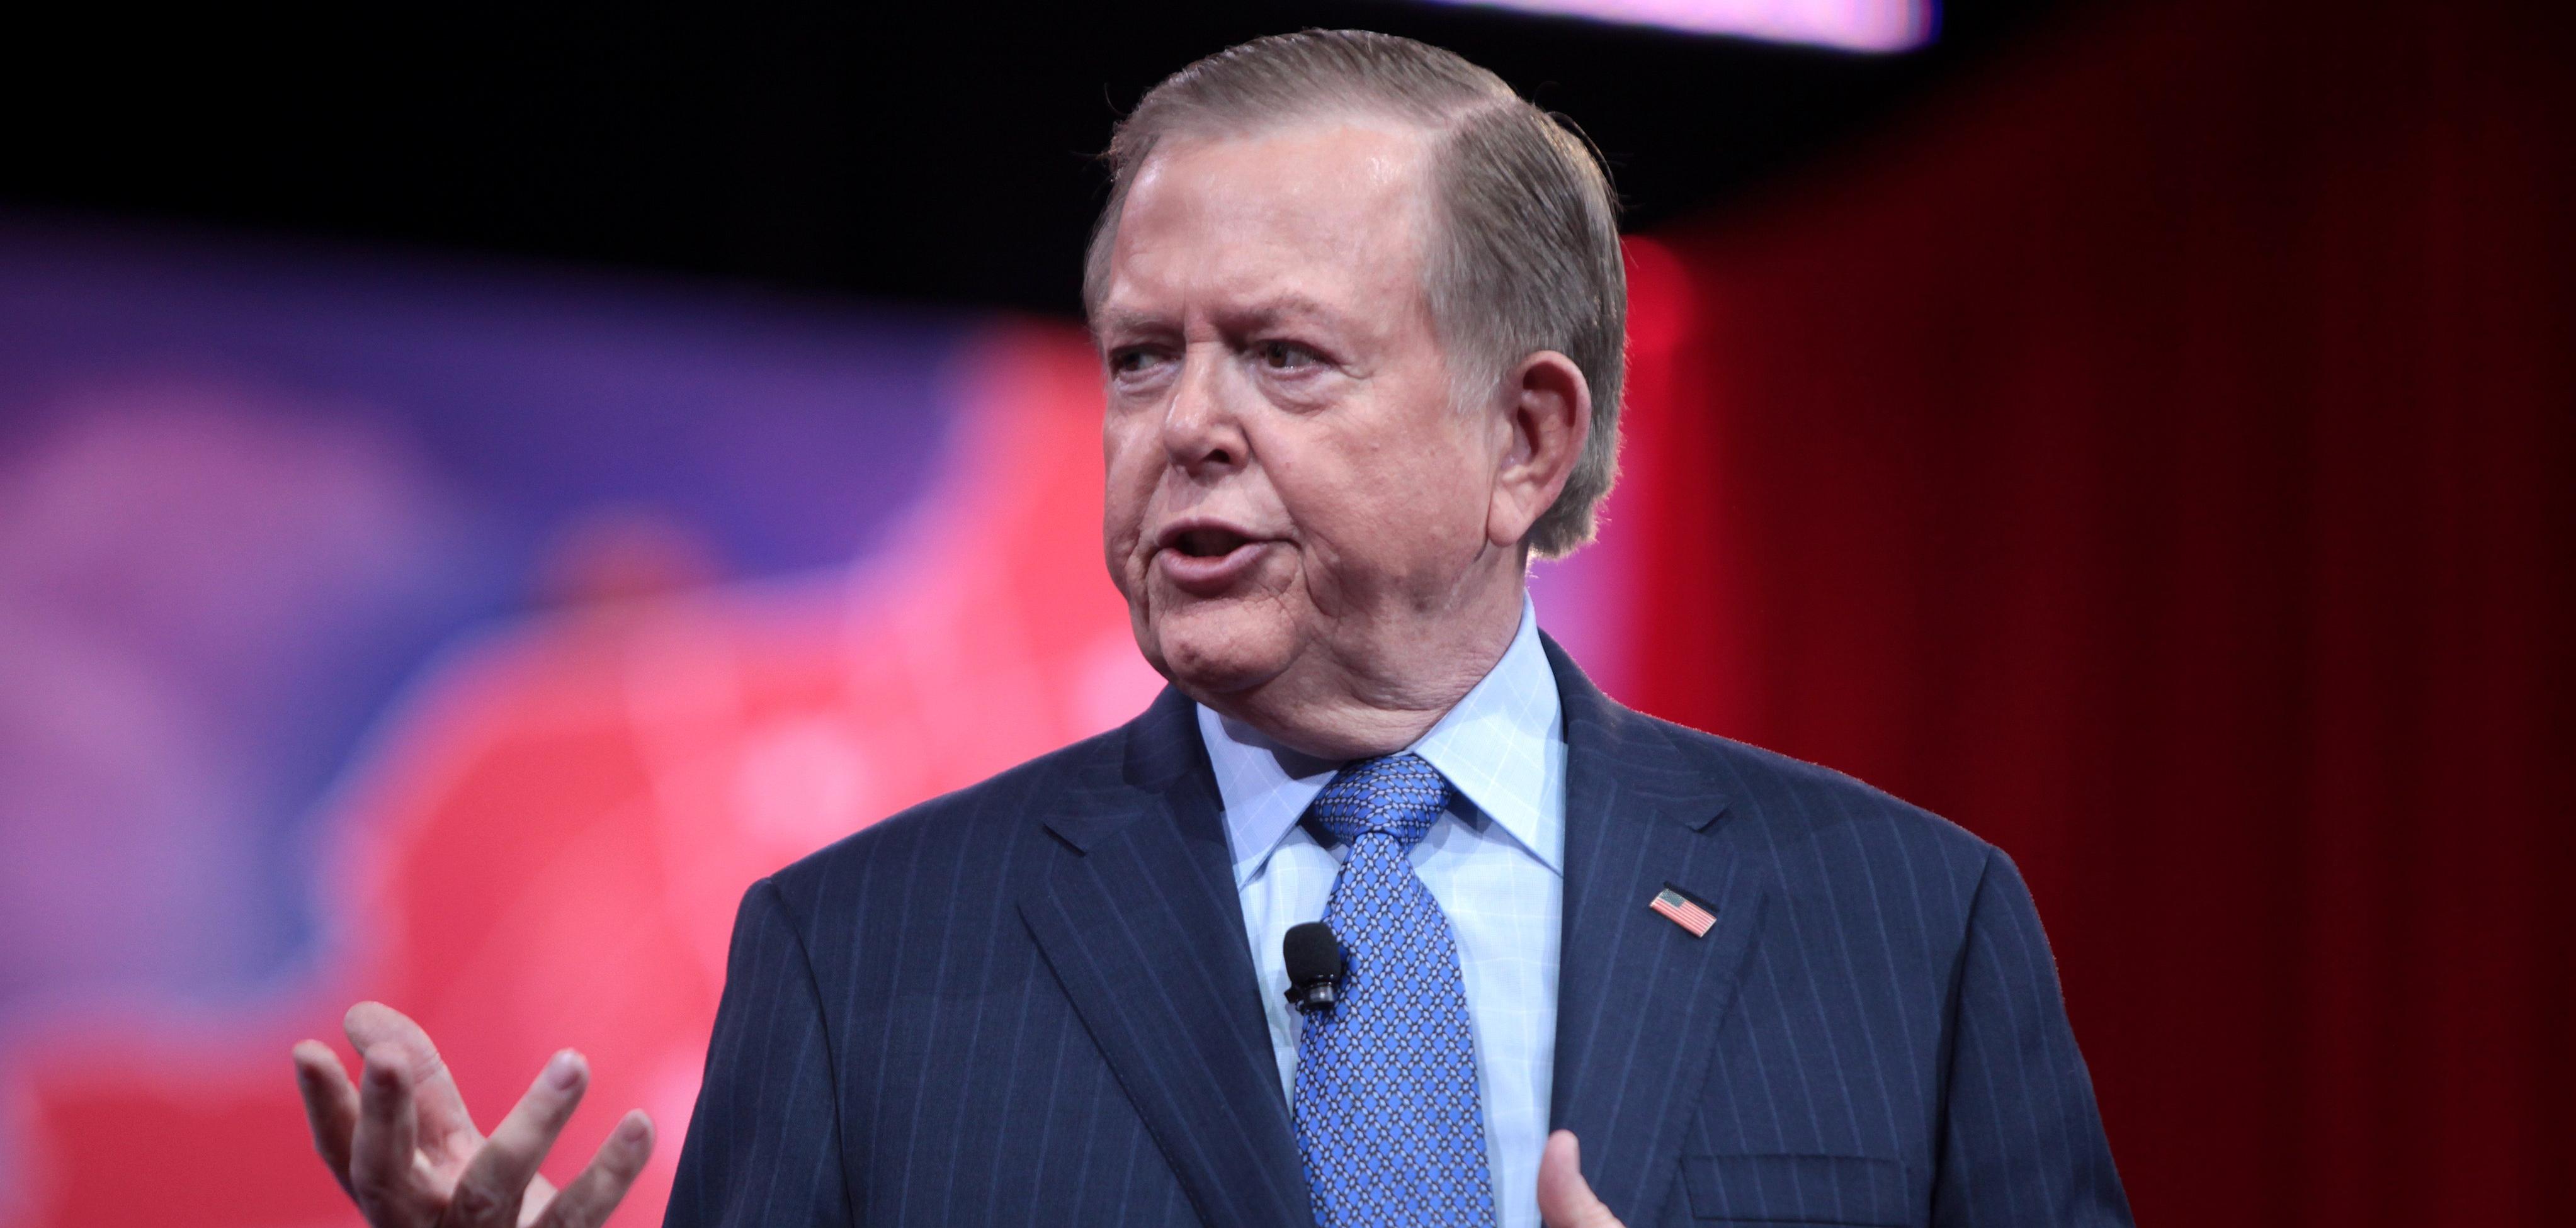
(2159, 460)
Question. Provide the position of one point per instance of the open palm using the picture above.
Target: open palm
(402, 1144)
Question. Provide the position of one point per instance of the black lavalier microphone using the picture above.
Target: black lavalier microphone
(1314, 967)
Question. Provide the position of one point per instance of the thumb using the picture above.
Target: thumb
(1564, 1198)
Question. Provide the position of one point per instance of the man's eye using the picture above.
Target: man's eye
(1286, 356)
(1129, 361)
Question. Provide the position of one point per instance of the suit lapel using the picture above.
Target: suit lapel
(1139, 919)
(1639, 1000)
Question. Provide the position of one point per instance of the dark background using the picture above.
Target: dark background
(939, 152)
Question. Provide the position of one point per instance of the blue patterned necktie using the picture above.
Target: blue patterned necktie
(1387, 1116)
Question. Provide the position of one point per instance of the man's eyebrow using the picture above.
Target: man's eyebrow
(1122, 321)
(1115, 320)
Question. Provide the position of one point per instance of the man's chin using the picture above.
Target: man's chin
(1211, 654)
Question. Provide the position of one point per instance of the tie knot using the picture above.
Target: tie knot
(1399, 795)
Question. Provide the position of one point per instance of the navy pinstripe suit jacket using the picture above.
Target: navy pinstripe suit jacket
(1029, 1002)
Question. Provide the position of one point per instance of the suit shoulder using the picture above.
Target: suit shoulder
(1833, 840)
(1799, 798)
(978, 821)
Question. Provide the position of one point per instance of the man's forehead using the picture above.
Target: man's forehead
(1283, 221)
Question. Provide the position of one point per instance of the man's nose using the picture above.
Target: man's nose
(1201, 431)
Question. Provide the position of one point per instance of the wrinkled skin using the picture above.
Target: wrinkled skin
(1312, 535)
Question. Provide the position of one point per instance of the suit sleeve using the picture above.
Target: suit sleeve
(2022, 1142)
(764, 1146)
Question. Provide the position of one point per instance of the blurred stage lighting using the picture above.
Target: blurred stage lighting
(1850, 25)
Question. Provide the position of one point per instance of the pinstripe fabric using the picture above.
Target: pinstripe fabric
(1871, 1034)
(1031, 1002)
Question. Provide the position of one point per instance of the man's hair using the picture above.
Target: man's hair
(1526, 253)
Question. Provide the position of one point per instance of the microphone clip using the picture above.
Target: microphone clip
(1315, 967)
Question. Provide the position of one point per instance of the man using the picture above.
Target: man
(1360, 310)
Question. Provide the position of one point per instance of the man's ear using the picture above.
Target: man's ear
(1548, 411)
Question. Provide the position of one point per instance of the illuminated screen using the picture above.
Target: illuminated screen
(1853, 25)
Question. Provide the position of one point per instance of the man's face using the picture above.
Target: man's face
(1292, 496)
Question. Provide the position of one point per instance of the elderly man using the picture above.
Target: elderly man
(1360, 310)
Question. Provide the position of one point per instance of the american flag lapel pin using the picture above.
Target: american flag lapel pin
(1682, 910)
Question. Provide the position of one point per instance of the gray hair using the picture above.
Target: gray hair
(1527, 258)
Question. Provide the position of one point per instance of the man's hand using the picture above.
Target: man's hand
(1564, 1198)
(402, 1145)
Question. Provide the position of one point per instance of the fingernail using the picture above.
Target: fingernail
(564, 1070)
(632, 1129)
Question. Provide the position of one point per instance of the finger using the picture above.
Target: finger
(494, 1182)
(441, 1108)
(330, 1105)
(381, 1172)
(587, 1199)
(1564, 1198)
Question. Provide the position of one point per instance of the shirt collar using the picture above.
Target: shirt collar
(1492, 747)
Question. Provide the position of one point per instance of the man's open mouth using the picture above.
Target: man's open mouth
(1207, 560)
(1209, 543)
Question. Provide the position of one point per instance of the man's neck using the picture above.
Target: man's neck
(1347, 709)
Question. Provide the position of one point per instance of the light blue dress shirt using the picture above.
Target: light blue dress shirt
(1495, 862)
